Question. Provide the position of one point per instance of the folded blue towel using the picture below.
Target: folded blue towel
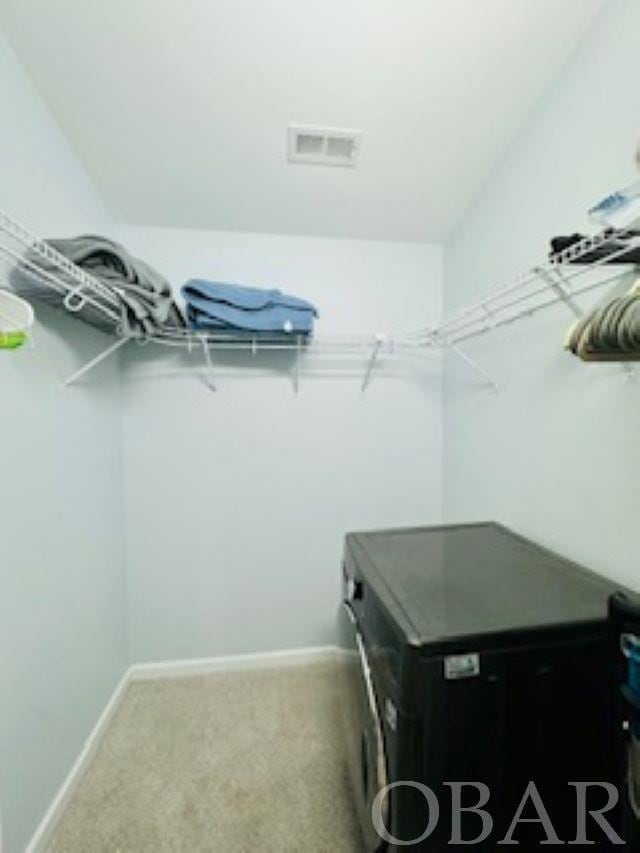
(216, 305)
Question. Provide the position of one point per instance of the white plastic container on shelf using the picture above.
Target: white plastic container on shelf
(16, 319)
(620, 210)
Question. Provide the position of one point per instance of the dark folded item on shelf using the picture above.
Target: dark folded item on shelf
(615, 246)
(219, 306)
(144, 302)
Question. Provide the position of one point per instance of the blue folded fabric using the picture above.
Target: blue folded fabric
(217, 305)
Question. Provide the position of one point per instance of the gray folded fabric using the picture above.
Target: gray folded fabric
(144, 299)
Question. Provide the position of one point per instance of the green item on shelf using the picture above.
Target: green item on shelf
(12, 340)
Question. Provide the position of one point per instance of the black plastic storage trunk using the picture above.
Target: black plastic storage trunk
(489, 661)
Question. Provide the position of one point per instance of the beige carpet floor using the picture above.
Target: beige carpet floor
(245, 762)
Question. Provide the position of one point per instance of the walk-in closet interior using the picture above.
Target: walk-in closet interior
(320, 396)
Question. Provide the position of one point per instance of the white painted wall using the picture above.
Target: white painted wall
(62, 588)
(238, 501)
(555, 454)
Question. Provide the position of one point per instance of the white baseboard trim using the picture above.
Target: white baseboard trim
(163, 669)
(44, 832)
(232, 663)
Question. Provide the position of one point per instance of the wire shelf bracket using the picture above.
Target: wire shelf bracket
(378, 340)
(560, 289)
(98, 359)
(209, 375)
(489, 382)
(296, 365)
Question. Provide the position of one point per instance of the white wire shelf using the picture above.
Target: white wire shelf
(48, 276)
(559, 279)
(563, 278)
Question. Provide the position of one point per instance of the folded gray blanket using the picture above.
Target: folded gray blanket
(144, 299)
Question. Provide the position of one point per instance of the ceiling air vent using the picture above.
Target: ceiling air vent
(323, 146)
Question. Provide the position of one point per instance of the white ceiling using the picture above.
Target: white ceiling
(179, 109)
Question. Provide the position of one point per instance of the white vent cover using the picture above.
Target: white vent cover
(323, 146)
